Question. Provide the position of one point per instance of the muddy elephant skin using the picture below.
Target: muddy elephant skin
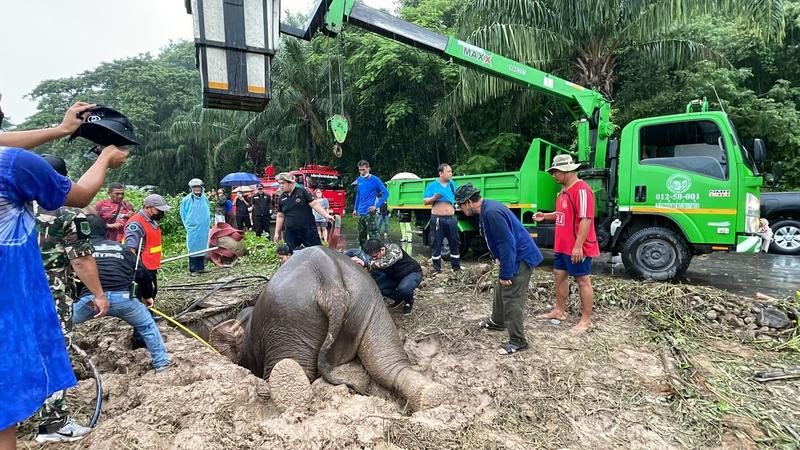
(322, 310)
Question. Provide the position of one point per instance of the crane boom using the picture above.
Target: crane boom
(588, 106)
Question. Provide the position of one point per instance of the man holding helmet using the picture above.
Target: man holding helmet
(196, 218)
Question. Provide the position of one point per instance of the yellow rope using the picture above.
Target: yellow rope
(179, 325)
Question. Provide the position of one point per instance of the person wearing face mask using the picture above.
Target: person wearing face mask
(517, 255)
(142, 232)
(196, 218)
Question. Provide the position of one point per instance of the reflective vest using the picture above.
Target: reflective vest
(151, 249)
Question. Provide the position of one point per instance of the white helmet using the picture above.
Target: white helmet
(195, 182)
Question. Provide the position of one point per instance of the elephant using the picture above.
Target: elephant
(322, 310)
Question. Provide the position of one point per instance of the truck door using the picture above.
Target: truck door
(682, 170)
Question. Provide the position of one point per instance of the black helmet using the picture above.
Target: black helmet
(465, 192)
(106, 126)
(57, 163)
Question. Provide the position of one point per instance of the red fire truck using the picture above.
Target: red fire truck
(312, 177)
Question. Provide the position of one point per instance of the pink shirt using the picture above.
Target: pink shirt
(107, 210)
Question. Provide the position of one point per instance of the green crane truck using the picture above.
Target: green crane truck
(666, 188)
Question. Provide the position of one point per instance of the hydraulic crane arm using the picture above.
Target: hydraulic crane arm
(589, 106)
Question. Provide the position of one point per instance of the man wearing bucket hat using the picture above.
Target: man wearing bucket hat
(295, 218)
(517, 254)
(575, 240)
(196, 218)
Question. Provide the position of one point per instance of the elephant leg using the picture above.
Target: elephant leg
(382, 354)
(334, 304)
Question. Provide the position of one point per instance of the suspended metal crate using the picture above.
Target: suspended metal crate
(235, 41)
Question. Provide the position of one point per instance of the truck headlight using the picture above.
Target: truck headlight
(752, 213)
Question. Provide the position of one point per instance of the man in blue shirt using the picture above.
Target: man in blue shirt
(367, 202)
(517, 254)
(440, 195)
(35, 363)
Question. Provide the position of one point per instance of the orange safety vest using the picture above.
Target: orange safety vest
(151, 249)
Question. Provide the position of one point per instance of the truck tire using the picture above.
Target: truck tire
(656, 253)
(785, 238)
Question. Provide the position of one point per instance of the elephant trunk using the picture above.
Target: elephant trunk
(382, 354)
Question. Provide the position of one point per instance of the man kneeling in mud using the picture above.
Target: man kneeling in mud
(115, 266)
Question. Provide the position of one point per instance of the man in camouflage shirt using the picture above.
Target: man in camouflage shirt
(395, 272)
(66, 254)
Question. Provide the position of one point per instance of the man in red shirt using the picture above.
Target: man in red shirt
(575, 240)
(115, 211)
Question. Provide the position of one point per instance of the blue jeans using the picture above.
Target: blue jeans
(130, 310)
(402, 290)
(383, 221)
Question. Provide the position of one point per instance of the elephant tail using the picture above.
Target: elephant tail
(335, 309)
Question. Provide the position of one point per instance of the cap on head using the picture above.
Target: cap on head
(57, 163)
(285, 176)
(465, 192)
(195, 182)
(563, 163)
(106, 126)
(156, 201)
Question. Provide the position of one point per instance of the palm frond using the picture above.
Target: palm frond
(677, 52)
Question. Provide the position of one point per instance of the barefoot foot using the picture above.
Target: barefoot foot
(560, 315)
(581, 327)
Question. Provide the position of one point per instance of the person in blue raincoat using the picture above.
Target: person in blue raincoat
(196, 218)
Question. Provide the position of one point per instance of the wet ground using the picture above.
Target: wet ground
(743, 274)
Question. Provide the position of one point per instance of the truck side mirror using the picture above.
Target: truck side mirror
(759, 152)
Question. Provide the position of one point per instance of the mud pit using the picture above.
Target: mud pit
(604, 389)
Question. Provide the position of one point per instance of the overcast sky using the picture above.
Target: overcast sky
(46, 39)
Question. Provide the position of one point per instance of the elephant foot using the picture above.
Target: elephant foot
(288, 385)
(430, 395)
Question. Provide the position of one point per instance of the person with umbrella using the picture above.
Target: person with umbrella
(295, 218)
(196, 218)
(243, 205)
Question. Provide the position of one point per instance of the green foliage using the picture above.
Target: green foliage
(409, 110)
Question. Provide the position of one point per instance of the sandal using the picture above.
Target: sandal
(509, 348)
(488, 324)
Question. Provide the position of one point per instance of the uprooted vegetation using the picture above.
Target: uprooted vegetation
(657, 371)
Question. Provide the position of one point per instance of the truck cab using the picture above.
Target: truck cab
(686, 186)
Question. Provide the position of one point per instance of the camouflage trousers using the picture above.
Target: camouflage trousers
(367, 228)
(53, 414)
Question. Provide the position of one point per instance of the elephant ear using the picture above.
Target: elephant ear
(227, 338)
(334, 303)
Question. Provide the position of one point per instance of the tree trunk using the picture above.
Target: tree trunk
(461, 134)
(309, 143)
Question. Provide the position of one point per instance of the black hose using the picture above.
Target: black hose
(98, 384)
(194, 304)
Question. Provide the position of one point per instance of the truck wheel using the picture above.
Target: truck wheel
(656, 253)
(785, 237)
